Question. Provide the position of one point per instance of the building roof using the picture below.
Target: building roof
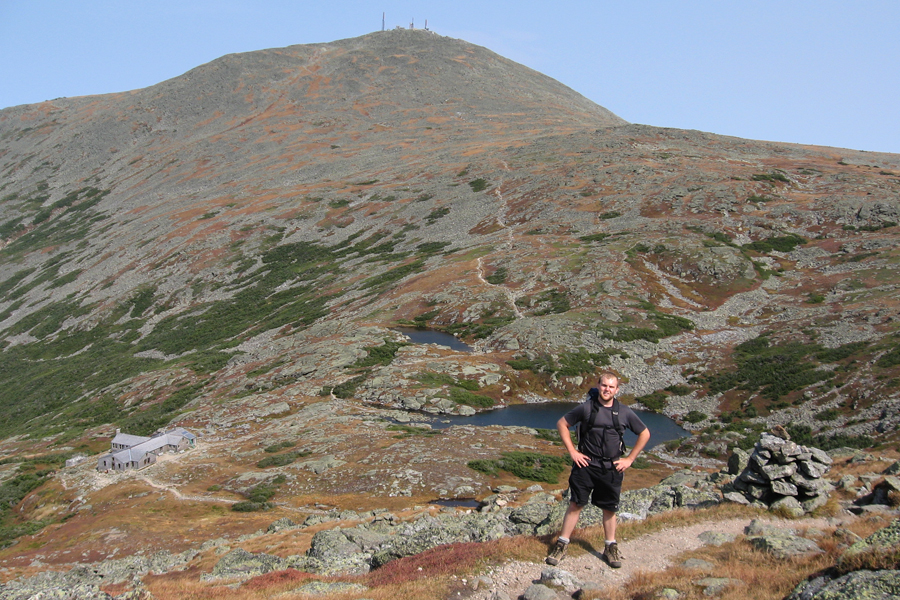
(138, 446)
(128, 440)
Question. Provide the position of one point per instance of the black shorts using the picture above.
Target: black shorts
(602, 485)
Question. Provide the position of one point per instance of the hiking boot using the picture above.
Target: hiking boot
(557, 553)
(611, 555)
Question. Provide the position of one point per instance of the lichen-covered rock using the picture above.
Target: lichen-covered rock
(242, 564)
(716, 538)
(882, 540)
(281, 525)
(738, 460)
(686, 497)
(81, 591)
(539, 591)
(858, 585)
(559, 578)
(334, 552)
(780, 475)
(536, 518)
(325, 588)
(714, 586)
(785, 545)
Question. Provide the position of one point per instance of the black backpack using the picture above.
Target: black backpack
(590, 423)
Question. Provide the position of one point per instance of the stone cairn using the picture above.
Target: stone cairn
(780, 475)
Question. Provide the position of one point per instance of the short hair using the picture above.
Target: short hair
(608, 375)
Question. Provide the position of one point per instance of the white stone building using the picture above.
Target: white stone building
(137, 452)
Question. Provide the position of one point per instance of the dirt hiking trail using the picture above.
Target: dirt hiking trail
(648, 553)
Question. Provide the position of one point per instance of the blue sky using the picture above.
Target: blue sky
(810, 72)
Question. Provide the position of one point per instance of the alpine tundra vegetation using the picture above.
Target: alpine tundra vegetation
(231, 252)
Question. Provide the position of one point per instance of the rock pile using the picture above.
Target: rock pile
(780, 475)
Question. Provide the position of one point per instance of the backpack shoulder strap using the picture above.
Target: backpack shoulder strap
(588, 424)
(618, 425)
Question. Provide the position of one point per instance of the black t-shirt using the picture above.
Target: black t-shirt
(602, 442)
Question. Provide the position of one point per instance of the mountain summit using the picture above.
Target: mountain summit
(232, 251)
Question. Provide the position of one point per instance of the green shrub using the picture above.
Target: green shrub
(497, 277)
(784, 243)
(558, 302)
(461, 396)
(802, 434)
(774, 370)
(574, 363)
(774, 176)
(580, 362)
(612, 214)
(550, 435)
(279, 446)
(280, 460)
(678, 390)
(408, 431)
(641, 462)
(890, 359)
(478, 185)
(534, 466)
(655, 401)
(380, 355)
(483, 465)
(437, 213)
(695, 416)
(432, 379)
(431, 247)
(595, 237)
(394, 275)
(348, 388)
(674, 444)
(467, 384)
(248, 506)
(710, 452)
(829, 414)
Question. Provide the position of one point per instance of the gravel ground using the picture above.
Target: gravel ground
(649, 553)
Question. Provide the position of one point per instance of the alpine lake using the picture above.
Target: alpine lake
(543, 415)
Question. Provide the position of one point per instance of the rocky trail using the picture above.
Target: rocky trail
(653, 552)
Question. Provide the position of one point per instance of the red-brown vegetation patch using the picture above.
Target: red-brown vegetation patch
(443, 560)
(487, 227)
(287, 577)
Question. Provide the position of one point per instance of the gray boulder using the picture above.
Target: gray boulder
(539, 591)
(242, 564)
(555, 577)
(881, 541)
(281, 524)
(738, 461)
(333, 552)
(537, 518)
(858, 585)
(785, 546)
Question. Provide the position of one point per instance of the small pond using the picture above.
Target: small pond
(430, 336)
(538, 416)
(545, 415)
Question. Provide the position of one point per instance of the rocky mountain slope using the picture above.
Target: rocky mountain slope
(231, 250)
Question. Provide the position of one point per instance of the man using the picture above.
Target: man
(599, 464)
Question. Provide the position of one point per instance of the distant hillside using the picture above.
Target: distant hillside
(231, 249)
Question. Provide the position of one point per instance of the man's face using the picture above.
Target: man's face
(608, 388)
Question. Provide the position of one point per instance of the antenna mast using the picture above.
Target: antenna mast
(382, 21)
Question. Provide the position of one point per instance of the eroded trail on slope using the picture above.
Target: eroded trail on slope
(511, 295)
